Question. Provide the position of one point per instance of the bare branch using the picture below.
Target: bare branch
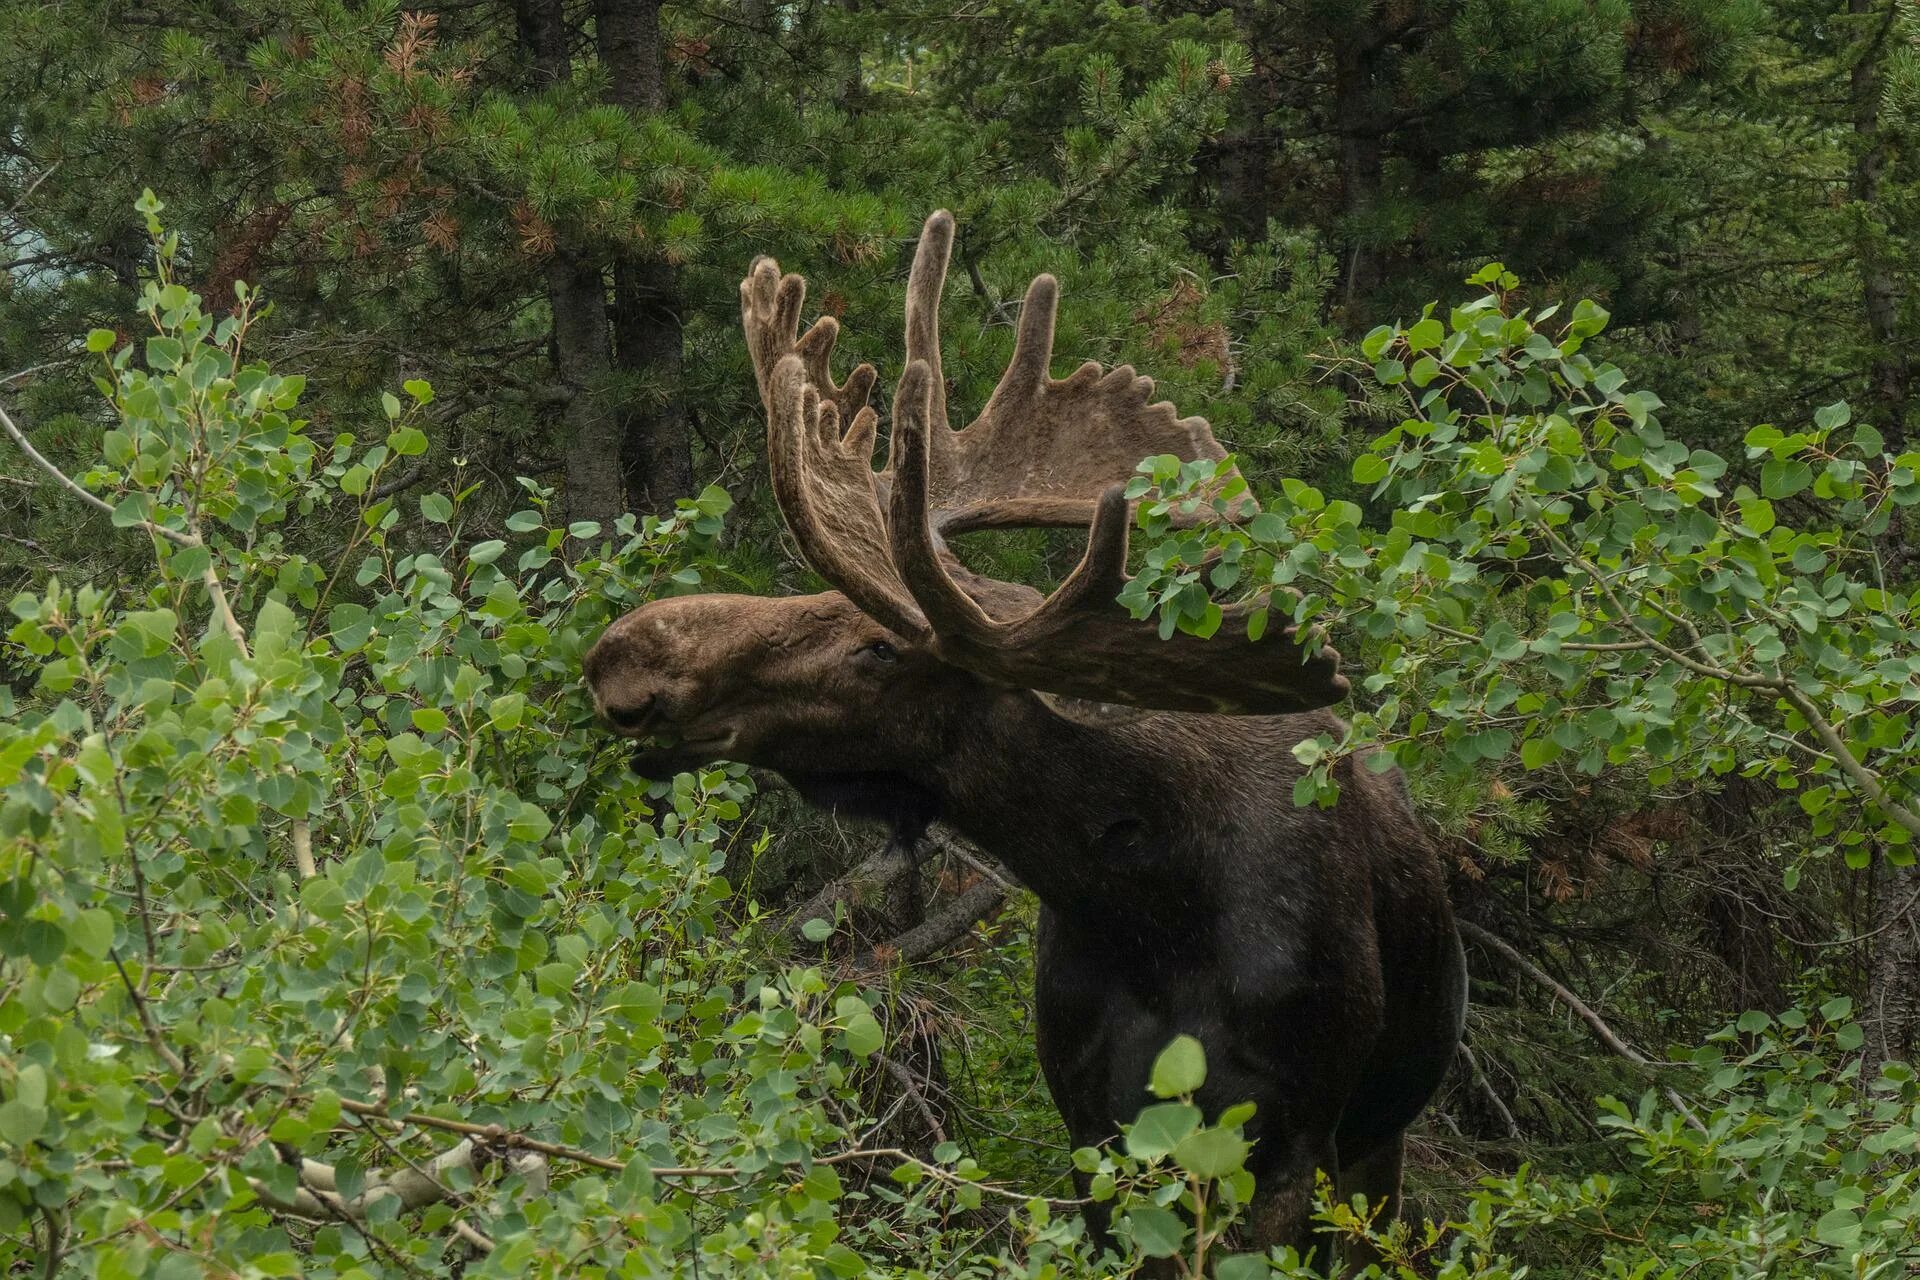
(78, 490)
(152, 1028)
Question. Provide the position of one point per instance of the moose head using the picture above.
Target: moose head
(895, 670)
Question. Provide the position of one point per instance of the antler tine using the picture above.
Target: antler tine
(770, 306)
(916, 551)
(824, 485)
(1028, 372)
(924, 284)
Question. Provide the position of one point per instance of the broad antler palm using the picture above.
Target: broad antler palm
(1043, 452)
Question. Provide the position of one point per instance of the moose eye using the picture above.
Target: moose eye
(882, 650)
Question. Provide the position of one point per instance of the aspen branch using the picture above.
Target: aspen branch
(154, 1039)
(216, 590)
(79, 490)
(497, 1135)
(1856, 772)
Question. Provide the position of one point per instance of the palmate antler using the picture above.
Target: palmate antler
(1043, 452)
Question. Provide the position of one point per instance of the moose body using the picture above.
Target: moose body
(1142, 788)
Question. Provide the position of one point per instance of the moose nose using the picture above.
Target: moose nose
(633, 717)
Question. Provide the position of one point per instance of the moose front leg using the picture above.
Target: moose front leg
(1377, 1177)
(1281, 1213)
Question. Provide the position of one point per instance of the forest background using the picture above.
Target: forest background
(290, 714)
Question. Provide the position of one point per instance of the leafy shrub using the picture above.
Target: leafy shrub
(1786, 1163)
(332, 939)
(1561, 579)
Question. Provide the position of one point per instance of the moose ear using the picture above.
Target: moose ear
(1091, 714)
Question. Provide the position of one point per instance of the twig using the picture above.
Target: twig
(472, 1236)
(154, 1038)
(949, 843)
(1487, 1091)
(912, 1085)
(21, 203)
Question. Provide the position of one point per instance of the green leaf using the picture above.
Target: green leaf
(1426, 334)
(1212, 1153)
(1157, 1232)
(92, 931)
(436, 507)
(1784, 477)
(817, 930)
(323, 898)
(99, 340)
(163, 353)
(1160, 1128)
(391, 404)
(862, 1035)
(429, 719)
(1589, 318)
(1756, 514)
(505, 711)
(61, 989)
(1838, 1226)
(21, 1122)
(1180, 1069)
(407, 442)
(1538, 753)
(1369, 468)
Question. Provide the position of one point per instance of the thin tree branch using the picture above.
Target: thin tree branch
(152, 1028)
(1595, 1023)
(77, 490)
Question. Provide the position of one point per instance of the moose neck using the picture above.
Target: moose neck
(1091, 818)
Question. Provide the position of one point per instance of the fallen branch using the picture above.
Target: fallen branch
(870, 876)
(1507, 951)
(937, 932)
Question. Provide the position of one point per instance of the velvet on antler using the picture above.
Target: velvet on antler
(1043, 452)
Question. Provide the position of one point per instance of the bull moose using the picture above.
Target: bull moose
(1141, 787)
